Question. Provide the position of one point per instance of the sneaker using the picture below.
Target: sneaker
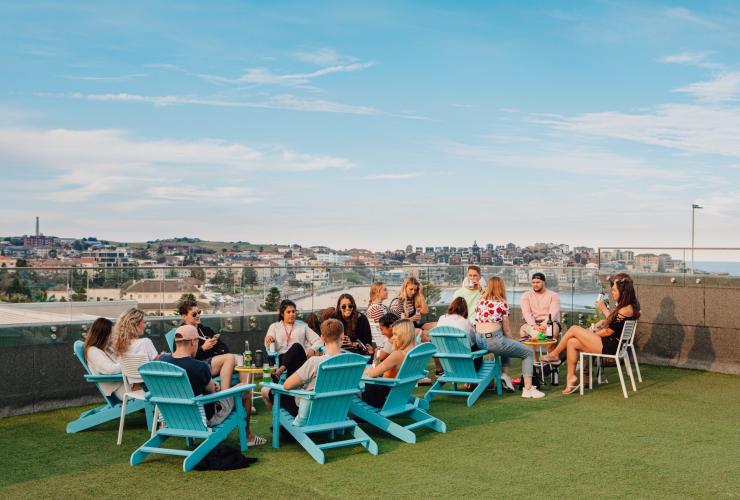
(533, 393)
(506, 382)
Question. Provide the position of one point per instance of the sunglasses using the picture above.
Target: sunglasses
(196, 313)
(346, 306)
(621, 281)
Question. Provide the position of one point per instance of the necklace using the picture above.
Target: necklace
(288, 333)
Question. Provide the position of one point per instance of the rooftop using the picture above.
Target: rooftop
(676, 437)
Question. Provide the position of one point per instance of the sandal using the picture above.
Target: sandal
(550, 358)
(256, 441)
(570, 389)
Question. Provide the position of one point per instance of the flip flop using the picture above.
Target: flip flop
(571, 389)
(257, 441)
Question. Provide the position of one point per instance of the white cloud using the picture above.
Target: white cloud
(692, 128)
(691, 59)
(263, 76)
(85, 164)
(323, 57)
(282, 101)
(118, 78)
(722, 203)
(194, 193)
(684, 14)
(392, 177)
(723, 86)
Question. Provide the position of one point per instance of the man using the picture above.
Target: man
(199, 375)
(538, 305)
(471, 291)
(211, 348)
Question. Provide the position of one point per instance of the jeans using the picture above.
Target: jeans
(501, 345)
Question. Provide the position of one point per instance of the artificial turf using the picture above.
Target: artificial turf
(677, 437)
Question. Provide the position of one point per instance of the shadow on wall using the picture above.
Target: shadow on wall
(666, 335)
(701, 355)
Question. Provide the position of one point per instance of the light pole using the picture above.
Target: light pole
(694, 206)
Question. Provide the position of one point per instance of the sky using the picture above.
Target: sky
(372, 124)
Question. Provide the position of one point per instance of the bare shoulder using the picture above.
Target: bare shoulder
(626, 311)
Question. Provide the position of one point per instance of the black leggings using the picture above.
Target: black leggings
(293, 359)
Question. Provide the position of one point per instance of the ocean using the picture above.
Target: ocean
(716, 266)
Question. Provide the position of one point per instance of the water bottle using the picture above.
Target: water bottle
(548, 333)
(247, 354)
(603, 298)
(266, 376)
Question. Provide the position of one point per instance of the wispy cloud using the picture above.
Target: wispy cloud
(392, 177)
(324, 57)
(684, 14)
(723, 86)
(698, 59)
(264, 76)
(193, 193)
(281, 101)
(118, 78)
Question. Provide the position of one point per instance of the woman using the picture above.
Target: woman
(457, 317)
(404, 339)
(294, 340)
(376, 310)
(410, 302)
(98, 358)
(603, 337)
(127, 339)
(357, 335)
(493, 334)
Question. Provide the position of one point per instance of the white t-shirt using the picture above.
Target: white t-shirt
(142, 346)
(457, 321)
(308, 372)
(300, 333)
(388, 346)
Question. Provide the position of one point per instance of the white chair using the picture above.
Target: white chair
(130, 364)
(626, 342)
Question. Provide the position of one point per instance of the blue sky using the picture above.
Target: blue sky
(372, 124)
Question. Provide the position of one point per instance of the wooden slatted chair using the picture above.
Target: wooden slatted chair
(401, 402)
(184, 415)
(453, 351)
(112, 408)
(337, 382)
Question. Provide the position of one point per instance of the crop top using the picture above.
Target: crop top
(491, 311)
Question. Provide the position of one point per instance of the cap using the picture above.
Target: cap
(186, 332)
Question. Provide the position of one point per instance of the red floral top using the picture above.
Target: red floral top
(491, 311)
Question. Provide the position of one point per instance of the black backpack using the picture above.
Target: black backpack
(224, 457)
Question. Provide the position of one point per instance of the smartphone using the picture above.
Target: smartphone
(216, 336)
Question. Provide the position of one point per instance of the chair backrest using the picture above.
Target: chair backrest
(412, 370)
(450, 340)
(79, 350)
(130, 364)
(170, 338)
(170, 389)
(340, 374)
(628, 336)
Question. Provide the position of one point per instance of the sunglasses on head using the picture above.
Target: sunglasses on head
(621, 281)
(346, 306)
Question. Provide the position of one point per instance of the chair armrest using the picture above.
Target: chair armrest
(113, 377)
(228, 393)
(292, 392)
(380, 380)
(480, 353)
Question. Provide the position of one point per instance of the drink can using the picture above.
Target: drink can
(258, 357)
(273, 348)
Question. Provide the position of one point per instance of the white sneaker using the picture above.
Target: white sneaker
(506, 382)
(532, 392)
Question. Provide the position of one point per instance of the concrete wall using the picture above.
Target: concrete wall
(690, 325)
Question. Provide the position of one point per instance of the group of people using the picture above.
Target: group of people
(386, 333)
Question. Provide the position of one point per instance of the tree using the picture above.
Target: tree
(21, 263)
(272, 301)
(249, 276)
(198, 274)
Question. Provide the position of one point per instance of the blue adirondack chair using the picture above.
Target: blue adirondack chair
(453, 351)
(111, 410)
(184, 415)
(337, 382)
(401, 402)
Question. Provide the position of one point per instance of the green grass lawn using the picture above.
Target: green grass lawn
(677, 437)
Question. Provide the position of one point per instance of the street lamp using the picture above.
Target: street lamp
(694, 206)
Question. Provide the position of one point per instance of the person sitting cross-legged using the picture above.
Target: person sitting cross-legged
(199, 375)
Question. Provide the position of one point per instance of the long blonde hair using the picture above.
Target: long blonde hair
(125, 331)
(402, 294)
(404, 334)
(375, 290)
(496, 290)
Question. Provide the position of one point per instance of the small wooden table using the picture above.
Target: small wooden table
(251, 371)
(538, 363)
